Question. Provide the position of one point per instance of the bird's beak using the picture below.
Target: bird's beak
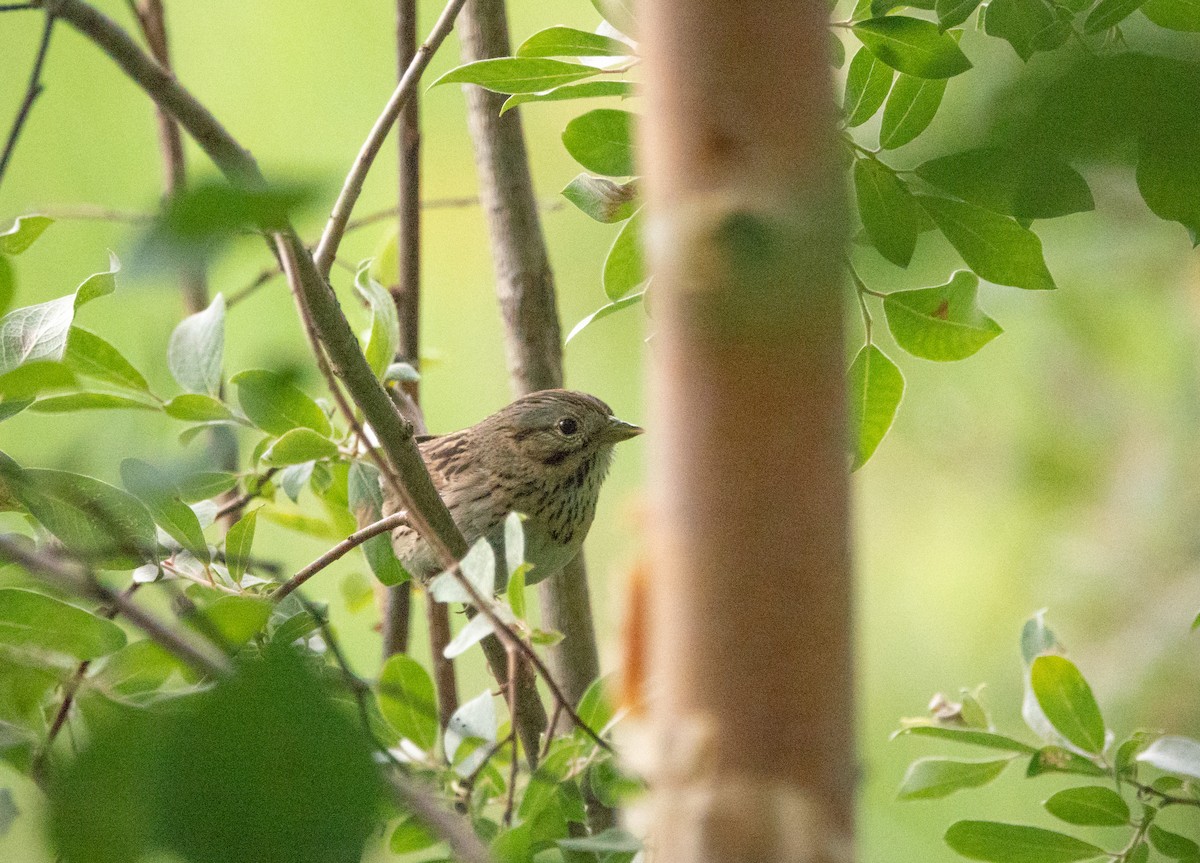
(619, 430)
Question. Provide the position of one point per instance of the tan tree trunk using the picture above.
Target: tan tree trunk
(750, 673)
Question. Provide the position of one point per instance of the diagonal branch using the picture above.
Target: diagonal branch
(31, 92)
(340, 550)
(336, 227)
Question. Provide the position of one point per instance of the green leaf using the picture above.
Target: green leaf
(1173, 845)
(985, 739)
(515, 591)
(930, 778)
(411, 835)
(365, 499)
(153, 488)
(196, 487)
(297, 446)
(1025, 186)
(238, 543)
(624, 268)
(569, 42)
(384, 339)
(614, 840)
(603, 200)
(942, 323)
(1180, 755)
(1037, 638)
(875, 387)
(909, 110)
(40, 332)
(1028, 25)
(1089, 806)
(178, 781)
(995, 247)
(89, 355)
(89, 401)
(1055, 759)
(196, 349)
(10, 408)
(235, 619)
(294, 478)
(1168, 176)
(888, 210)
(618, 13)
(195, 407)
(1016, 843)
(31, 621)
(517, 74)
(276, 406)
(601, 141)
(21, 235)
(586, 90)
(913, 46)
(596, 707)
(34, 377)
(407, 700)
(604, 312)
(951, 13)
(867, 83)
(1067, 701)
(92, 519)
(1181, 15)
(1109, 13)
(8, 284)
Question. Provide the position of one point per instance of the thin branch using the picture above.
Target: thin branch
(14, 7)
(32, 91)
(338, 551)
(454, 830)
(74, 578)
(336, 226)
(93, 213)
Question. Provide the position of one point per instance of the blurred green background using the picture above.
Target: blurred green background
(1055, 469)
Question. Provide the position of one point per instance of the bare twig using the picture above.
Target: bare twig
(74, 578)
(336, 226)
(32, 91)
(14, 7)
(340, 550)
(93, 213)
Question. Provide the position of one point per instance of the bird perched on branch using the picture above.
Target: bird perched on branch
(544, 456)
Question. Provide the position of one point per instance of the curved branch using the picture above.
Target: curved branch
(31, 92)
(340, 550)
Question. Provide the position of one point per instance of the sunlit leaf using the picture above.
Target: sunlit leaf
(942, 323)
(238, 543)
(604, 312)
(517, 74)
(1173, 845)
(196, 407)
(951, 13)
(995, 247)
(384, 339)
(586, 90)
(89, 401)
(1109, 13)
(1067, 701)
(910, 109)
(156, 490)
(1016, 843)
(603, 200)
(1025, 186)
(624, 267)
(569, 42)
(22, 234)
(31, 621)
(913, 46)
(986, 739)
(407, 700)
(276, 406)
(888, 211)
(299, 445)
(89, 355)
(868, 81)
(1174, 14)
(930, 778)
(601, 141)
(40, 332)
(1089, 805)
(875, 389)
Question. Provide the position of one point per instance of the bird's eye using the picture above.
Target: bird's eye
(568, 426)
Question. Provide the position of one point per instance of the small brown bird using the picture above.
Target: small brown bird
(544, 456)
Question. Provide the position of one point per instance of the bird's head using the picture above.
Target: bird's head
(558, 430)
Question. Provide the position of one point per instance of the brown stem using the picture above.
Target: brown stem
(339, 551)
(437, 616)
(32, 91)
(397, 609)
